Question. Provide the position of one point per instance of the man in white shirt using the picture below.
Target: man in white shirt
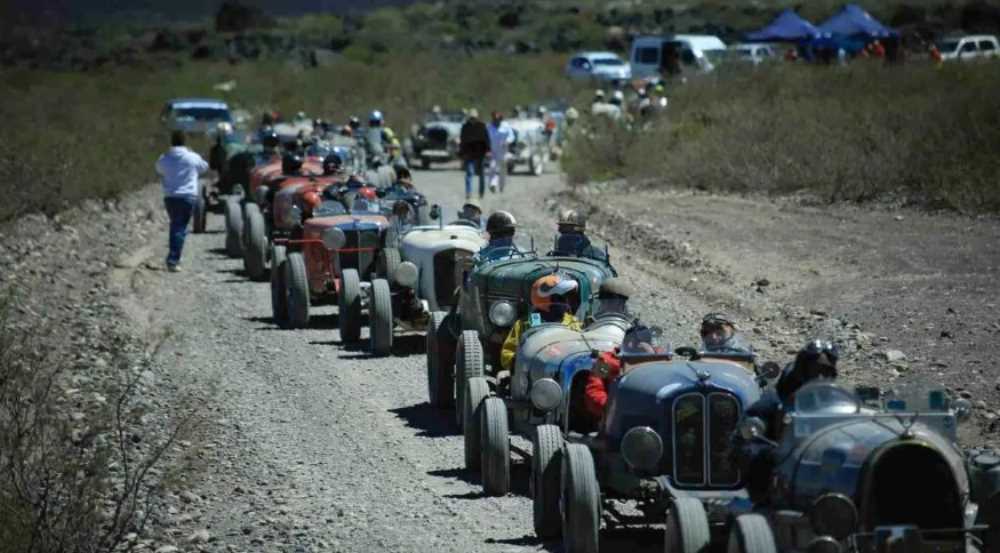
(501, 137)
(179, 170)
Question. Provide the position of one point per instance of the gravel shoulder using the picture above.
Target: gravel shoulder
(310, 445)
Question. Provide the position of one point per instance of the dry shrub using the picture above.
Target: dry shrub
(855, 133)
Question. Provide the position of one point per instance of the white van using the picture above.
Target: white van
(650, 54)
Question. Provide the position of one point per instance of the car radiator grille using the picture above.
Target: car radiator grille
(437, 138)
(702, 454)
(363, 261)
(448, 267)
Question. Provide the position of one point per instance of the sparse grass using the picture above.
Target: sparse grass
(864, 132)
(71, 136)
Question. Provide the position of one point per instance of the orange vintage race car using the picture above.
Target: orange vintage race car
(334, 259)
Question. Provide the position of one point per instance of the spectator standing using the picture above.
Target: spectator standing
(474, 143)
(501, 137)
(179, 170)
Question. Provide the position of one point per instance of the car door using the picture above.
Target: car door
(987, 48)
(967, 50)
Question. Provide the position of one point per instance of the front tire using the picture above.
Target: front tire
(255, 255)
(234, 227)
(349, 306)
(440, 361)
(199, 219)
(478, 389)
(298, 290)
(751, 533)
(495, 441)
(687, 527)
(387, 263)
(579, 501)
(279, 292)
(546, 460)
(469, 364)
(381, 325)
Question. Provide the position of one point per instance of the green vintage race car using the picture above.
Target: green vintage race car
(466, 341)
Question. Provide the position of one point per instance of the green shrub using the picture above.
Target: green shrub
(852, 133)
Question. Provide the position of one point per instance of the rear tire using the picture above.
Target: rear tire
(687, 527)
(199, 218)
(234, 227)
(751, 533)
(279, 292)
(440, 361)
(477, 392)
(580, 501)
(469, 364)
(546, 460)
(297, 299)
(349, 306)
(495, 439)
(387, 263)
(255, 255)
(380, 327)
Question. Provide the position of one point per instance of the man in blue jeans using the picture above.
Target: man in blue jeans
(474, 143)
(179, 169)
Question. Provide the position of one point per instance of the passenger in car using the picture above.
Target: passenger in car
(609, 367)
(551, 302)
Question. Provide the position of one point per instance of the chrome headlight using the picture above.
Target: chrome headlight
(546, 394)
(963, 409)
(333, 238)
(751, 427)
(833, 514)
(642, 448)
(407, 274)
(502, 313)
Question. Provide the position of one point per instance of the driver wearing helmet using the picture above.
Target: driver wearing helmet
(333, 164)
(501, 226)
(471, 211)
(375, 137)
(609, 366)
(291, 164)
(552, 302)
(722, 342)
(571, 241)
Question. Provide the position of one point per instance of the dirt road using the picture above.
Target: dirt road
(311, 445)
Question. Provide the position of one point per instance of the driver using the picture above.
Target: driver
(722, 342)
(609, 367)
(291, 164)
(571, 241)
(501, 226)
(333, 164)
(403, 184)
(471, 211)
(551, 303)
(612, 298)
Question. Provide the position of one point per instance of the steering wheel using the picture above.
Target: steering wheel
(687, 351)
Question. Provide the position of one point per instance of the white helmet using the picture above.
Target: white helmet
(375, 117)
(618, 97)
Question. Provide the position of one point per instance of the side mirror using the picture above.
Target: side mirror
(769, 370)
(435, 213)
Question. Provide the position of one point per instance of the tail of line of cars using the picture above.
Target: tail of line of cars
(683, 441)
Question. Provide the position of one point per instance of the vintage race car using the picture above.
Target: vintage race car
(334, 260)
(493, 297)
(866, 472)
(422, 271)
(663, 445)
(530, 148)
(538, 392)
(435, 140)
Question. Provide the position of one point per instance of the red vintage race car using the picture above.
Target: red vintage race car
(335, 259)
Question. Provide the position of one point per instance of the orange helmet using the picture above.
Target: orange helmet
(548, 287)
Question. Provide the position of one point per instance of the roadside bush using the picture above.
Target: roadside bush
(72, 477)
(858, 133)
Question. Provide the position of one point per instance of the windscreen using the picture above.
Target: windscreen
(608, 61)
(202, 114)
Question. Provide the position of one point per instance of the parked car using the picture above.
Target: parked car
(435, 140)
(968, 47)
(195, 115)
(530, 148)
(598, 66)
(334, 260)
(663, 446)
(537, 392)
(755, 54)
(421, 270)
(649, 55)
(868, 472)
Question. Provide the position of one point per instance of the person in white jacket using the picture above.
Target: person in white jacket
(501, 137)
(179, 170)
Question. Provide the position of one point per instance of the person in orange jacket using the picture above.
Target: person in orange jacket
(609, 367)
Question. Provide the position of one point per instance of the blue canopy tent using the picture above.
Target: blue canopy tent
(787, 27)
(854, 22)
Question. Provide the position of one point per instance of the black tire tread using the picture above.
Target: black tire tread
(546, 458)
(349, 306)
(298, 290)
(495, 440)
(381, 321)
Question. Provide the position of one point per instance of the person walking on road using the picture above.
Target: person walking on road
(474, 143)
(501, 137)
(179, 170)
